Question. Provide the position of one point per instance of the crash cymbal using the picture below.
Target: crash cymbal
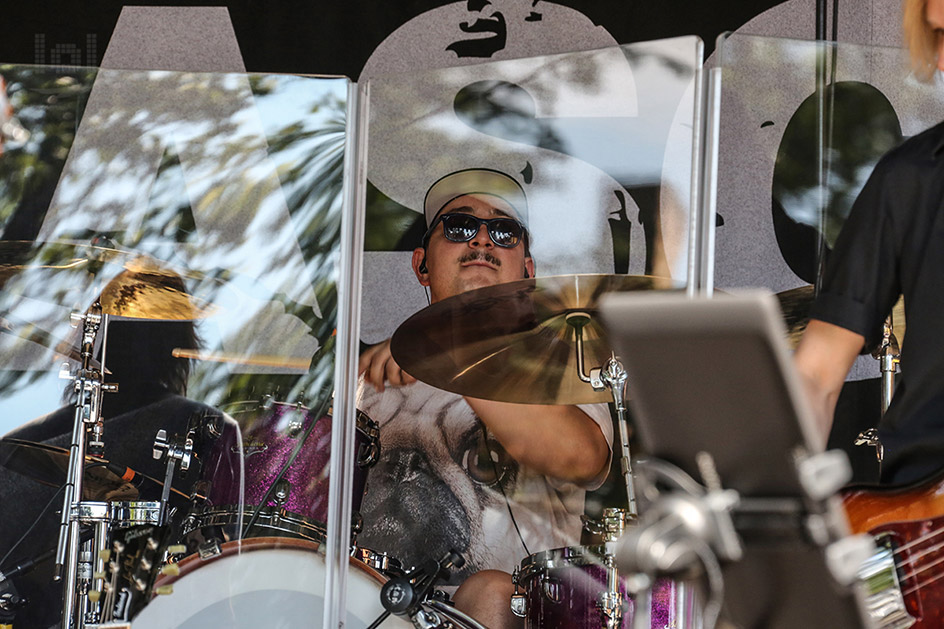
(511, 342)
(796, 303)
(49, 465)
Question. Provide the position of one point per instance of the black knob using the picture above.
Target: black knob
(397, 596)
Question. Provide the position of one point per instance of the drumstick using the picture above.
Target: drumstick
(263, 360)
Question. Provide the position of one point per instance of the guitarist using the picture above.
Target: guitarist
(891, 244)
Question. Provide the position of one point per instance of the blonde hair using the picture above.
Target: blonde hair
(920, 38)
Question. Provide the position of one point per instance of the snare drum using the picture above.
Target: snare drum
(564, 586)
(298, 505)
(261, 582)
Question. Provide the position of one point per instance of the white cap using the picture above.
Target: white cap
(475, 181)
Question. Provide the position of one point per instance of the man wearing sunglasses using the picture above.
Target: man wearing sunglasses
(532, 463)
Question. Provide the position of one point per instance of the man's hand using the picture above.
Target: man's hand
(379, 367)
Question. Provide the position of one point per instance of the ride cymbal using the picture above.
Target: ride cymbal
(511, 342)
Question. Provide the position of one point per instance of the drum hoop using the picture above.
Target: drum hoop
(540, 562)
(192, 563)
(287, 521)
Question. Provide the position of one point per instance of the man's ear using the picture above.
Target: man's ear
(419, 266)
(529, 267)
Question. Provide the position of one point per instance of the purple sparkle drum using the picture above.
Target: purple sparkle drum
(297, 503)
(567, 587)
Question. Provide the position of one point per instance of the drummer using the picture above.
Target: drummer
(151, 396)
(492, 480)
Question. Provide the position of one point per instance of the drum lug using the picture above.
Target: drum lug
(519, 605)
(519, 601)
(611, 608)
(368, 454)
(551, 588)
(295, 428)
(357, 523)
(209, 548)
(283, 489)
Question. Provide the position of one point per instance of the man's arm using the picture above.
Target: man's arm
(558, 441)
(823, 358)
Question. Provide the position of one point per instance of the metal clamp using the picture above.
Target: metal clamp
(175, 448)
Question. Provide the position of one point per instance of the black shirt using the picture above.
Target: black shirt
(891, 244)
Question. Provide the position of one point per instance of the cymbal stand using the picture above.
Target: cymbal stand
(888, 354)
(611, 376)
(88, 384)
(176, 449)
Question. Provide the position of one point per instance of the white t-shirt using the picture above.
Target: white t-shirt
(441, 483)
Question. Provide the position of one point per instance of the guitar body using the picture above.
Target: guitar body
(912, 519)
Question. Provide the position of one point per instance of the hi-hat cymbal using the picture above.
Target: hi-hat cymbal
(30, 332)
(511, 342)
(49, 465)
(145, 290)
(797, 302)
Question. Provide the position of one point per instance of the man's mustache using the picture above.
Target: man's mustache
(480, 255)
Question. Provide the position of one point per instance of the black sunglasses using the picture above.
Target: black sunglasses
(504, 232)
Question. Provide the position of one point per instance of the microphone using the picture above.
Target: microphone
(125, 473)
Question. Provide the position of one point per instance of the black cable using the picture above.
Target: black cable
(288, 464)
(379, 620)
(501, 488)
(33, 526)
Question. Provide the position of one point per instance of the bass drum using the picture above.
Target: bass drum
(261, 582)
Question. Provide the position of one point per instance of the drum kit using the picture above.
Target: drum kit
(248, 540)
